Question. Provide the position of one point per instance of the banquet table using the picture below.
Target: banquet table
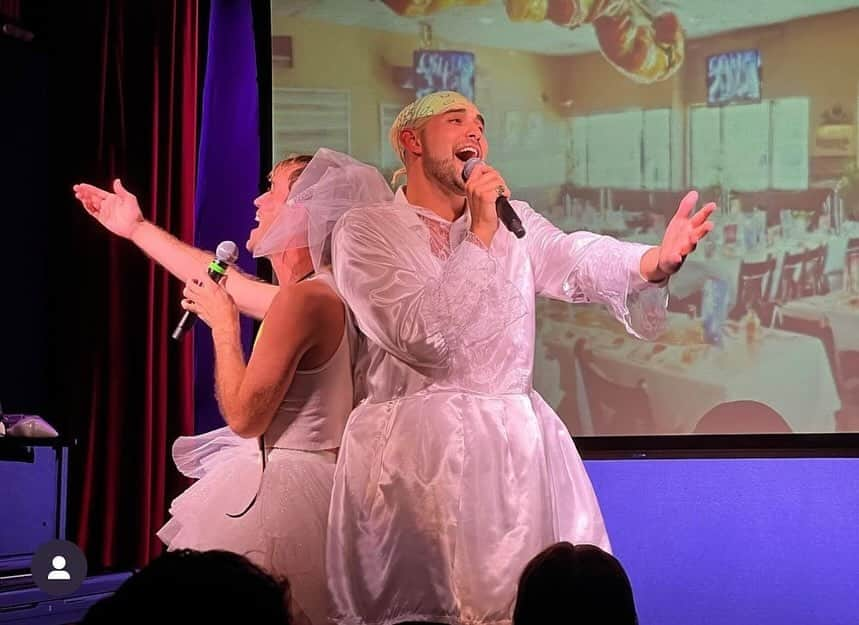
(686, 377)
(839, 308)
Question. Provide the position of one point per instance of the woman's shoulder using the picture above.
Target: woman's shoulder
(314, 291)
(314, 299)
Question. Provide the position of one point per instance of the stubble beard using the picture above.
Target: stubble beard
(443, 171)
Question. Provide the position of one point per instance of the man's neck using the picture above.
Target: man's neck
(420, 191)
(295, 266)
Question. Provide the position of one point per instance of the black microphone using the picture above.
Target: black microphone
(505, 212)
(225, 255)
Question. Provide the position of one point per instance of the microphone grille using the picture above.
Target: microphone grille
(469, 166)
(227, 252)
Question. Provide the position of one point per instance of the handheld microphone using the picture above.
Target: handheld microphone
(505, 212)
(225, 255)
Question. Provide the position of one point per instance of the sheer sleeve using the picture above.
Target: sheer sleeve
(587, 267)
(421, 309)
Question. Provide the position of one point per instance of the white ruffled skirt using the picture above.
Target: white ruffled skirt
(441, 499)
(283, 532)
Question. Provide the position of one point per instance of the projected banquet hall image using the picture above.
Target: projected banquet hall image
(461, 312)
(603, 124)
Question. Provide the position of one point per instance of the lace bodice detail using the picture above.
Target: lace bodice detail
(441, 310)
(439, 237)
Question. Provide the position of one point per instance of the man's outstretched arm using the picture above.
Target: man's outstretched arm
(119, 212)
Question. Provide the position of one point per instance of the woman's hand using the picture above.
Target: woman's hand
(210, 301)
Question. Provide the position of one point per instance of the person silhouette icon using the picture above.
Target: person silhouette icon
(59, 572)
(58, 567)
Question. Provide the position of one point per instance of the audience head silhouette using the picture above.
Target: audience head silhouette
(579, 584)
(186, 586)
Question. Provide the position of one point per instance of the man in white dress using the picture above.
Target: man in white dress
(455, 472)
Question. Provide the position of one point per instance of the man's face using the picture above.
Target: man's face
(448, 140)
(270, 203)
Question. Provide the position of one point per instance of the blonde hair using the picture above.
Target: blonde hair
(292, 159)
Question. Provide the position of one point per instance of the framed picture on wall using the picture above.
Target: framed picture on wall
(734, 77)
(443, 70)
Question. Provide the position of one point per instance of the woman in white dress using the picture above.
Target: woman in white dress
(263, 482)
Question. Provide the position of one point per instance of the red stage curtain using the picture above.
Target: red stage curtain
(124, 386)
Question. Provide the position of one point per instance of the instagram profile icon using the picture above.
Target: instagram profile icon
(59, 567)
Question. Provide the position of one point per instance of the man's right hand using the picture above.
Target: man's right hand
(483, 187)
(119, 211)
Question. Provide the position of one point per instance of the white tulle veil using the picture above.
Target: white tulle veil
(331, 184)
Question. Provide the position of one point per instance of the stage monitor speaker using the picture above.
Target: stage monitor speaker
(33, 481)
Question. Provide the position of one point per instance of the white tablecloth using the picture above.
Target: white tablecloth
(685, 379)
(839, 308)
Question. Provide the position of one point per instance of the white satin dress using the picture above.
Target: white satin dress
(454, 472)
(284, 530)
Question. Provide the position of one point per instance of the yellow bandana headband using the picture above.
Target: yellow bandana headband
(418, 112)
